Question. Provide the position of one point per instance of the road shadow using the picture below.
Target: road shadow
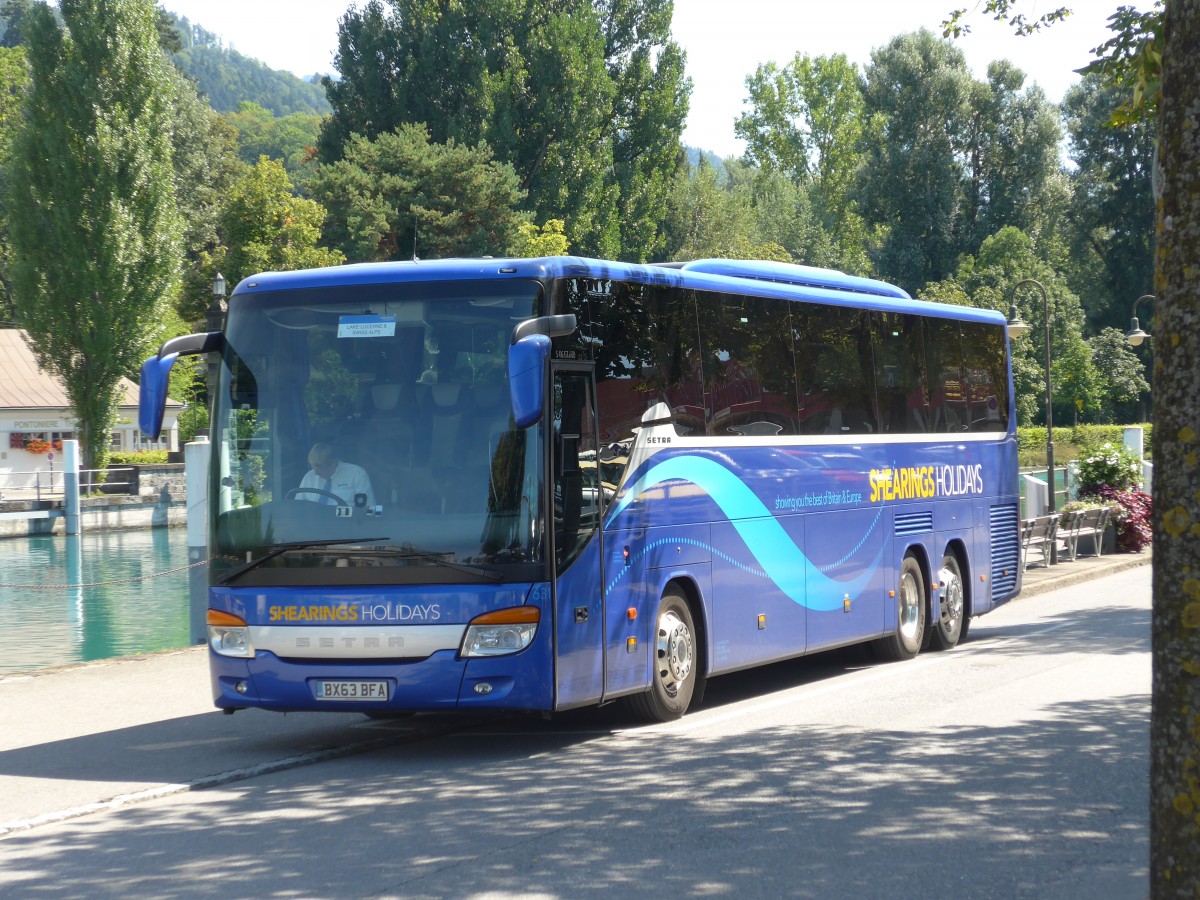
(1051, 808)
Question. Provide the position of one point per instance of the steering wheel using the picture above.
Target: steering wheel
(291, 495)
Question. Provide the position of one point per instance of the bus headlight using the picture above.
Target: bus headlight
(228, 635)
(501, 632)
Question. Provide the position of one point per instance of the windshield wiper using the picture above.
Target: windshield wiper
(293, 545)
(408, 550)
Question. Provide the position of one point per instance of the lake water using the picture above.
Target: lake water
(112, 606)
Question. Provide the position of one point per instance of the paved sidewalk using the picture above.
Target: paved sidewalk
(1039, 579)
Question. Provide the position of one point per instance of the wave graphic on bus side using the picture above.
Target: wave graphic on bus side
(782, 561)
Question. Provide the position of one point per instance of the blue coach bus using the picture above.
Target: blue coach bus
(552, 483)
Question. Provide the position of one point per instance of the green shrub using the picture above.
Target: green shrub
(137, 457)
(1072, 443)
(1031, 438)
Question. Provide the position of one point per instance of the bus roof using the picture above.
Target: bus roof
(756, 277)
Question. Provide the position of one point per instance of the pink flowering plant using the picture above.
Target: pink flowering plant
(1132, 517)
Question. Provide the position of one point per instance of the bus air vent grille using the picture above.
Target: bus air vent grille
(1006, 550)
(914, 523)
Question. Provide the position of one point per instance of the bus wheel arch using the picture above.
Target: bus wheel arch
(677, 656)
(910, 611)
(951, 599)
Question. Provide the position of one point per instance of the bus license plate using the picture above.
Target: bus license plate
(352, 690)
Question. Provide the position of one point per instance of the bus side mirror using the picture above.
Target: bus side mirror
(526, 375)
(152, 393)
(152, 390)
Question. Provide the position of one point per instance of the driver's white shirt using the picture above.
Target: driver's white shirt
(346, 481)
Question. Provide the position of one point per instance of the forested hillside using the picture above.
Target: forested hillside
(227, 78)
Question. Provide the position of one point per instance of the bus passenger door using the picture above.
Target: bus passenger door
(578, 507)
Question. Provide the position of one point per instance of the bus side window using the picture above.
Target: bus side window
(947, 389)
(900, 382)
(836, 371)
(986, 376)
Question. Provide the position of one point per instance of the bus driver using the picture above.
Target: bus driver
(329, 478)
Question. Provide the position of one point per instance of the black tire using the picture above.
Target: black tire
(911, 604)
(676, 666)
(950, 601)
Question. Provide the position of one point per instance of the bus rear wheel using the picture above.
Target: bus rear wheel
(905, 641)
(673, 681)
(947, 627)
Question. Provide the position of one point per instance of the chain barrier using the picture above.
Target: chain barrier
(60, 587)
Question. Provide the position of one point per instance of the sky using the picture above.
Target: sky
(725, 41)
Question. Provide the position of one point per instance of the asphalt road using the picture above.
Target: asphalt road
(1014, 766)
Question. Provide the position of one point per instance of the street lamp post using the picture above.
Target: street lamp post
(1135, 336)
(1016, 328)
(214, 320)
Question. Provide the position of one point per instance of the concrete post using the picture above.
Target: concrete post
(1036, 495)
(195, 465)
(1134, 440)
(71, 520)
(76, 608)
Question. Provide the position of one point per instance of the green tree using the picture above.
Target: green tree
(706, 219)
(14, 13)
(95, 231)
(291, 139)
(807, 122)
(1123, 381)
(585, 99)
(917, 94)
(14, 77)
(267, 228)
(206, 167)
(1112, 208)
(1012, 148)
(401, 194)
(549, 240)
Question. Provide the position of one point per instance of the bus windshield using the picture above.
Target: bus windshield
(364, 432)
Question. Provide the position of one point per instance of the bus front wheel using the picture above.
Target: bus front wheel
(673, 681)
(905, 641)
(947, 628)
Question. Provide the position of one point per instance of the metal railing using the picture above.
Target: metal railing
(1062, 487)
(49, 484)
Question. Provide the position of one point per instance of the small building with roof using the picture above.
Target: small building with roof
(36, 416)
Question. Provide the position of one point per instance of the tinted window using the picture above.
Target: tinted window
(986, 376)
(947, 392)
(643, 341)
(749, 371)
(835, 371)
(900, 383)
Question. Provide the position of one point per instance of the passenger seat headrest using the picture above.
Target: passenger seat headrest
(385, 396)
(445, 395)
